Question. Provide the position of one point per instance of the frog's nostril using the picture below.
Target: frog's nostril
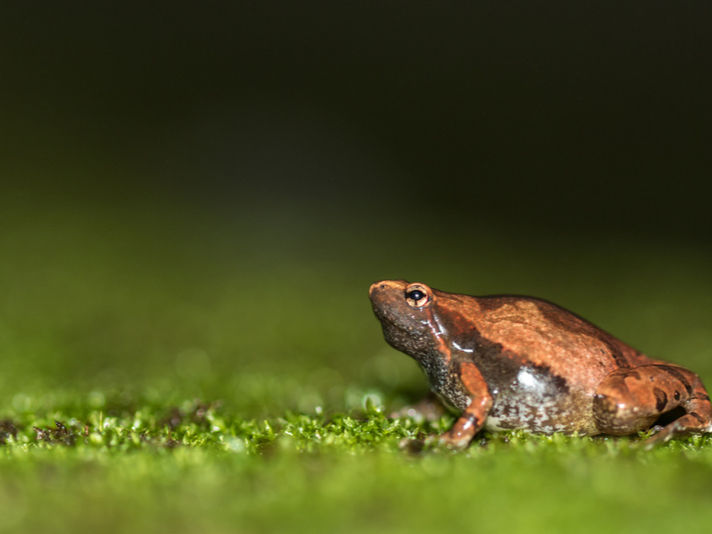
(376, 286)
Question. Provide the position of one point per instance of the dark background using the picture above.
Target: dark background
(592, 116)
(193, 192)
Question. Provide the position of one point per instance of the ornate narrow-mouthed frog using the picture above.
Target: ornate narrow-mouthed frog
(510, 362)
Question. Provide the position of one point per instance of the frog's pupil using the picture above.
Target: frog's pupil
(415, 295)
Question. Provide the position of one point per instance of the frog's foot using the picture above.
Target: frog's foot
(455, 440)
(417, 445)
(691, 423)
(465, 428)
(630, 400)
(429, 409)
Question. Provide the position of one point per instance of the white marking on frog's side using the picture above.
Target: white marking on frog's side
(492, 423)
(526, 411)
(458, 347)
(440, 331)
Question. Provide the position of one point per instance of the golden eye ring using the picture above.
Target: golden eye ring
(418, 295)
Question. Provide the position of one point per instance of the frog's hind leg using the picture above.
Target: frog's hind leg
(630, 400)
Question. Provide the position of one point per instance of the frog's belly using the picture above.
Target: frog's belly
(569, 413)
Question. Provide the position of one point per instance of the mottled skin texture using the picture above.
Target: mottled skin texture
(510, 362)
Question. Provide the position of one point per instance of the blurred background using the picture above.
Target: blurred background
(195, 198)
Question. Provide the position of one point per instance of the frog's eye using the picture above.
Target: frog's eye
(417, 296)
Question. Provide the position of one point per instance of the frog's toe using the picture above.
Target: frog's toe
(453, 442)
(411, 445)
(659, 438)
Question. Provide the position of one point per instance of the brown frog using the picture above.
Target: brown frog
(510, 362)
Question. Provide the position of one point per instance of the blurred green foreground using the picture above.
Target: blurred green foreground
(220, 370)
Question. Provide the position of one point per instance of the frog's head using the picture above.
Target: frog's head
(409, 316)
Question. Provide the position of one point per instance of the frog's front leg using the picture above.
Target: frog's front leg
(630, 400)
(475, 415)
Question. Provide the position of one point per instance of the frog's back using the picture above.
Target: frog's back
(547, 334)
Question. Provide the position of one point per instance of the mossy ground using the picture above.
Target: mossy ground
(175, 370)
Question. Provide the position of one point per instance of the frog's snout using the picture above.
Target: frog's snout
(385, 286)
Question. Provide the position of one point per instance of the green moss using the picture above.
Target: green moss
(200, 466)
